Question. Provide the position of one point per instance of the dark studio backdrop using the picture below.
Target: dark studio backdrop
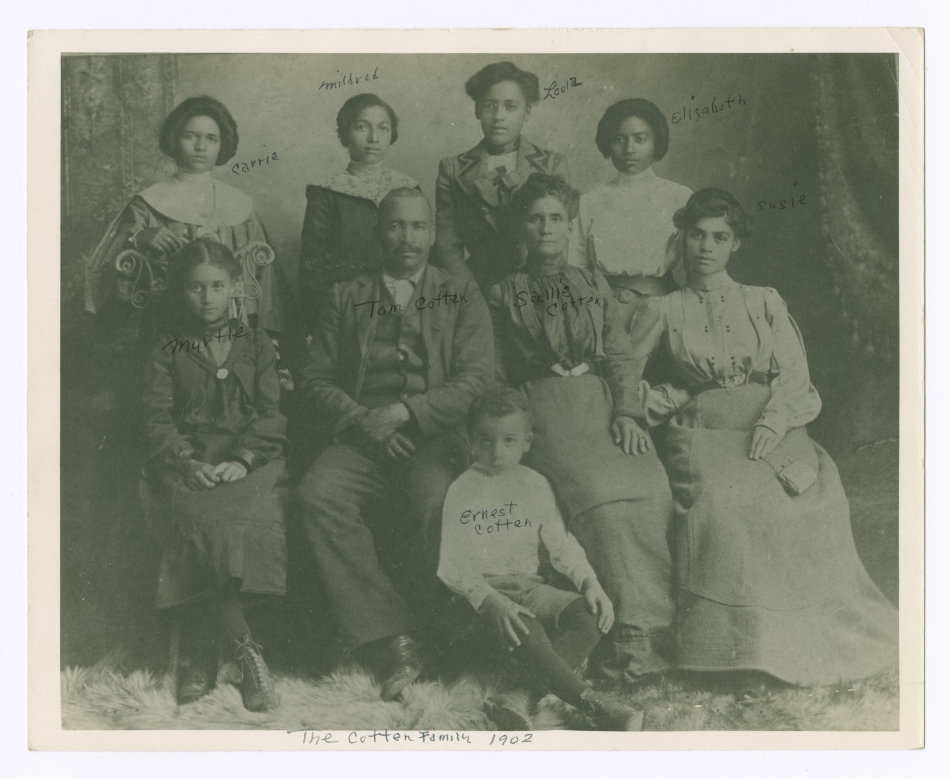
(819, 127)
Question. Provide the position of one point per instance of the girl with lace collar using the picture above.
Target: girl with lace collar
(199, 135)
(338, 242)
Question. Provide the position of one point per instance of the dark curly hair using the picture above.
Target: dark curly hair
(537, 186)
(487, 77)
(203, 251)
(496, 403)
(352, 108)
(187, 110)
(712, 202)
(642, 109)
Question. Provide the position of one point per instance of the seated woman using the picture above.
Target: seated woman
(559, 340)
(624, 228)
(769, 579)
(338, 242)
(199, 135)
(473, 188)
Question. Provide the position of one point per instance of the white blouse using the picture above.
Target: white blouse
(625, 228)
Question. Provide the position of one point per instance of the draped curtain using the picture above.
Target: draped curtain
(856, 100)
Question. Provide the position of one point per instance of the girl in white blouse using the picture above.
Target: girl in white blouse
(623, 228)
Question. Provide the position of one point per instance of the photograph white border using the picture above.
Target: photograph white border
(43, 132)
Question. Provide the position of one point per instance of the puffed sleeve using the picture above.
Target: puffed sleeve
(450, 252)
(646, 333)
(620, 366)
(795, 401)
(263, 439)
(456, 569)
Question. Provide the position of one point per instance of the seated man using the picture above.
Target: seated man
(396, 360)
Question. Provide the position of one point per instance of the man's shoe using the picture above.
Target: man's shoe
(608, 713)
(403, 667)
(510, 710)
(257, 688)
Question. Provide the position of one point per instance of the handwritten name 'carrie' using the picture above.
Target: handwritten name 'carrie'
(383, 309)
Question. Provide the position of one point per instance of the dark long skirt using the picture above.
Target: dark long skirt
(768, 581)
(234, 531)
(617, 505)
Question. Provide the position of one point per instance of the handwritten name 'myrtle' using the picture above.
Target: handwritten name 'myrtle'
(194, 345)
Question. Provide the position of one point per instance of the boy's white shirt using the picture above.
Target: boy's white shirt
(525, 516)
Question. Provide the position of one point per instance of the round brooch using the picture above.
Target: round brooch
(222, 373)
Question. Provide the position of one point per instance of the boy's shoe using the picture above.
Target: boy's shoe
(608, 713)
(510, 710)
(195, 683)
(257, 688)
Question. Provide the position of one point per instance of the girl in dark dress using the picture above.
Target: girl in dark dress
(338, 242)
(559, 339)
(214, 479)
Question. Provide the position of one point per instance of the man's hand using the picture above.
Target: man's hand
(199, 475)
(630, 437)
(399, 447)
(230, 471)
(380, 423)
(503, 614)
(763, 442)
(599, 603)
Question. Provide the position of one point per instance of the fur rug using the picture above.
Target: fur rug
(105, 697)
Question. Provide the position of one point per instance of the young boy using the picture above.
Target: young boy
(496, 517)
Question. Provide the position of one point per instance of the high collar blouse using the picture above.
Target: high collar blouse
(725, 334)
(564, 319)
(625, 227)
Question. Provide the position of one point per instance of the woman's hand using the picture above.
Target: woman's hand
(199, 475)
(230, 471)
(763, 442)
(504, 615)
(630, 437)
(599, 604)
(161, 239)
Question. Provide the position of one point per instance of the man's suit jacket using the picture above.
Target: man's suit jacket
(468, 211)
(456, 334)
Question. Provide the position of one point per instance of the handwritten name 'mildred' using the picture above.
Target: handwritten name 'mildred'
(179, 345)
(442, 299)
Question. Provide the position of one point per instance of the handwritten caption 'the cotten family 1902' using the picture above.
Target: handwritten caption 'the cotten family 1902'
(382, 738)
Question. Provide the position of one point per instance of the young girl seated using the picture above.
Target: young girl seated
(496, 517)
(215, 472)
